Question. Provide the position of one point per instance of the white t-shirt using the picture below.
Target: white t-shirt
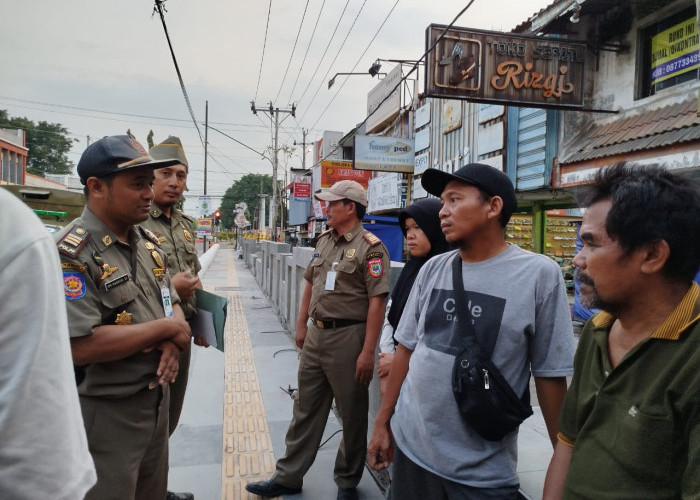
(43, 447)
(518, 303)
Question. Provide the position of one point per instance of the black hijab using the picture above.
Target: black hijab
(425, 213)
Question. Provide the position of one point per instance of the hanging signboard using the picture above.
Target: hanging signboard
(385, 154)
(495, 67)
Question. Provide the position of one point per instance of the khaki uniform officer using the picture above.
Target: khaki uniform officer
(174, 232)
(347, 283)
(126, 326)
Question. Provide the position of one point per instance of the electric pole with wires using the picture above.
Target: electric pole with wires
(274, 114)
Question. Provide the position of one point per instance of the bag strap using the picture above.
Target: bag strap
(462, 308)
(463, 313)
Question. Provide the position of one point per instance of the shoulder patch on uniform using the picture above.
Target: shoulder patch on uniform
(150, 235)
(73, 241)
(371, 239)
(375, 267)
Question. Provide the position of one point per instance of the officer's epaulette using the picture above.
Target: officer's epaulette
(149, 234)
(188, 217)
(73, 241)
(325, 233)
(371, 239)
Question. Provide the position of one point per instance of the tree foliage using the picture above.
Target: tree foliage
(48, 144)
(247, 189)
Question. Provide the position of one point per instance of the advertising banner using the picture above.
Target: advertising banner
(385, 154)
(675, 51)
(302, 191)
(334, 171)
(495, 67)
(204, 227)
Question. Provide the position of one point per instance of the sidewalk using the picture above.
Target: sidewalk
(237, 408)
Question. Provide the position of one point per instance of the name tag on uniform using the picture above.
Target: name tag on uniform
(330, 278)
(167, 305)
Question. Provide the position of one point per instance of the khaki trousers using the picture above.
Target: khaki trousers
(128, 441)
(177, 391)
(327, 371)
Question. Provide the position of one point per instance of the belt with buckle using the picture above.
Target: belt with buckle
(335, 323)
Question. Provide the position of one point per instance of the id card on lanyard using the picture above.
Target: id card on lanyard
(167, 304)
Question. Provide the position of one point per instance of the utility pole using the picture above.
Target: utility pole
(274, 112)
(206, 142)
(303, 144)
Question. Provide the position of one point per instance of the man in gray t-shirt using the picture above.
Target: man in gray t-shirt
(517, 301)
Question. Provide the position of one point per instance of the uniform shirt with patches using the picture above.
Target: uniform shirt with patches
(105, 281)
(362, 271)
(176, 239)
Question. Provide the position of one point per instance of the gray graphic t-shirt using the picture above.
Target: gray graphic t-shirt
(519, 309)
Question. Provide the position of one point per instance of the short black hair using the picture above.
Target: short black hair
(360, 209)
(650, 203)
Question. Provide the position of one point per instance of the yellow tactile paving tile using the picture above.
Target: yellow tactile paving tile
(247, 448)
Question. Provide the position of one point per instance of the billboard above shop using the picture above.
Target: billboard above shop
(384, 154)
(330, 172)
(495, 67)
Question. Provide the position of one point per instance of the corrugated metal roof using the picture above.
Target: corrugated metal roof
(672, 124)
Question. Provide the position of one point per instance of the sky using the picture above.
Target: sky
(102, 67)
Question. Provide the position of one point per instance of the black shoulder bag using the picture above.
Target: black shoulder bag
(485, 399)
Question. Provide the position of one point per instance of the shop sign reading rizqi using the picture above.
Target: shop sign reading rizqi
(494, 67)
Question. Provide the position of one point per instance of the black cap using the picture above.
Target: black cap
(489, 179)
(116, 153)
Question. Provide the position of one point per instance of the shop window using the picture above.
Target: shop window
(669, 53)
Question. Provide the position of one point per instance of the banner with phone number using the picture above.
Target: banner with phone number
(675, 51)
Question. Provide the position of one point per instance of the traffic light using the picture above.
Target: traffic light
(217, 217)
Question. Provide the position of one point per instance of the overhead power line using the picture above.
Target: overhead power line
(159, 8)
(336, 56)
(308, 46)
(293, 49)
(267, 25)
(358, 62)
(323, 56)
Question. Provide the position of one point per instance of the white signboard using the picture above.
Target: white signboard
(490, 111)
(386, 154)
(495, 162)
(384, 193)
(330, 149)
(490, 138)
(422, 163)
(422, 139)
(390, 107)
(418, 192)
(204, 206)
(422, 116)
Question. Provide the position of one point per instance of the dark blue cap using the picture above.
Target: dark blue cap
(489, 179)
(116, 153)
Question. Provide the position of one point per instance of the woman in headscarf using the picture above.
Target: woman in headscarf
(420, 224)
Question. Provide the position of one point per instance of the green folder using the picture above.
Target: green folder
(210, 319)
